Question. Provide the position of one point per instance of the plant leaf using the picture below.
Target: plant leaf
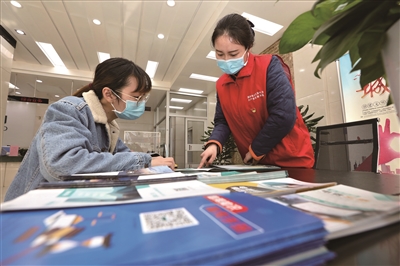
(371, 73)
(299, 33)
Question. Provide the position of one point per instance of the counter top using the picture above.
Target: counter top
(4, 159)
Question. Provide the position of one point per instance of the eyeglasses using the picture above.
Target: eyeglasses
(141, 98)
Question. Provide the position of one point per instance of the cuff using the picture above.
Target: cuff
(219, 146)
(255, 157)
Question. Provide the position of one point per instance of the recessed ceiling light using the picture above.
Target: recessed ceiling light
(262, 25)
(20, 32)
(180, 100)
(39, 81)
(16, 4)
(211, 55)
(151, 68)
(103, 56)
(57, 96)
(171, 3)
(191, 91)
(17, 92)
(51, 54)
(96, 21)
(160, 36)
(176, 107)
(203, 77)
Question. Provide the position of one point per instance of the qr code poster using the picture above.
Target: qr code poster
(166, 220)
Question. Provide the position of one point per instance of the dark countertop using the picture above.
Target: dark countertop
(13, 159)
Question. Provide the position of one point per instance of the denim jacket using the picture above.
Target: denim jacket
(74, 137)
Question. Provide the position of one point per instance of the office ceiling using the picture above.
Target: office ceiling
(129, 29)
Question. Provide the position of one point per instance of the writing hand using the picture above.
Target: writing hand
(386, 139)
(208, 156)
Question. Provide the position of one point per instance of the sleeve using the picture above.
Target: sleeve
(281, 105)
(221, 131)
(66, 146)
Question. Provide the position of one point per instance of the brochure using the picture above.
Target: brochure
(217, 229)
(345, 210)
(81, 197)
(273, 187)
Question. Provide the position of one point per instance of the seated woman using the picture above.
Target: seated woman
(79, 134)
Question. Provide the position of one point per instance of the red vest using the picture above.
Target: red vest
(244, 103)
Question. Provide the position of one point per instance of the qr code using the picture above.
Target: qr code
(166, 220)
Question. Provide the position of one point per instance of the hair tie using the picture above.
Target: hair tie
(90, 85)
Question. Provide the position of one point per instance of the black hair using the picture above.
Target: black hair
(114, 73)
(237, 27)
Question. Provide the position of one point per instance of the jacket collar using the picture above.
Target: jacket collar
(99, 116)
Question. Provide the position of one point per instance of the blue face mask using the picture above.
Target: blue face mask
(133, 110)
(232, 66)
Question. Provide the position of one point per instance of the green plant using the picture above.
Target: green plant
(340, 26)
(225, 156)
(311, 124)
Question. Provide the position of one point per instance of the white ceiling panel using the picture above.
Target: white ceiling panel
(129, 29)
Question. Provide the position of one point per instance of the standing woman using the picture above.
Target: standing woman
(256, 102)
(79, 135)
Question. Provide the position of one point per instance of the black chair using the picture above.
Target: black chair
(350, 146)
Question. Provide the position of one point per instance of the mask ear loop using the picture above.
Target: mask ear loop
(115, 109)
(248, 54)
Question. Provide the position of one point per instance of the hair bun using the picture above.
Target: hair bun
(251, 27)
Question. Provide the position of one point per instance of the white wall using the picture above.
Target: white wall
(321, 95)
(6, 58)
(21, 118)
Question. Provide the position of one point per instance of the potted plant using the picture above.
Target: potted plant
(358, 27)
(228, 151)
(311, 123)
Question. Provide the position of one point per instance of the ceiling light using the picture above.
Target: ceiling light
(16, 4)
(203, 77)
(102, 56)
(151, 68)
(12, 86)
(171, 3)
(160, 36)
(176, 107)
(17, 92)
(262, 25)
(191, 91)
(96, 21)
(51, 54)
(39, 81)
(211, 55)
(199, 109)
(57, 96)
(21, 32)
(180, 100)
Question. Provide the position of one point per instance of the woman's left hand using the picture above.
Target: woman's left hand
(157, 161)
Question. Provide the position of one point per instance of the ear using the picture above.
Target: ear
(107, 94)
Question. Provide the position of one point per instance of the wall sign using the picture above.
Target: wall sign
(27, 99)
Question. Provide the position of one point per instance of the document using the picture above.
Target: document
(82, 197)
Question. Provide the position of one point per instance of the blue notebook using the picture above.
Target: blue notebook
(230, 228)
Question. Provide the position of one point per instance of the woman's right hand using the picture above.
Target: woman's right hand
(208, 156)
(159, 160)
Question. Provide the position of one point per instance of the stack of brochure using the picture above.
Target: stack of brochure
(215, 229)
